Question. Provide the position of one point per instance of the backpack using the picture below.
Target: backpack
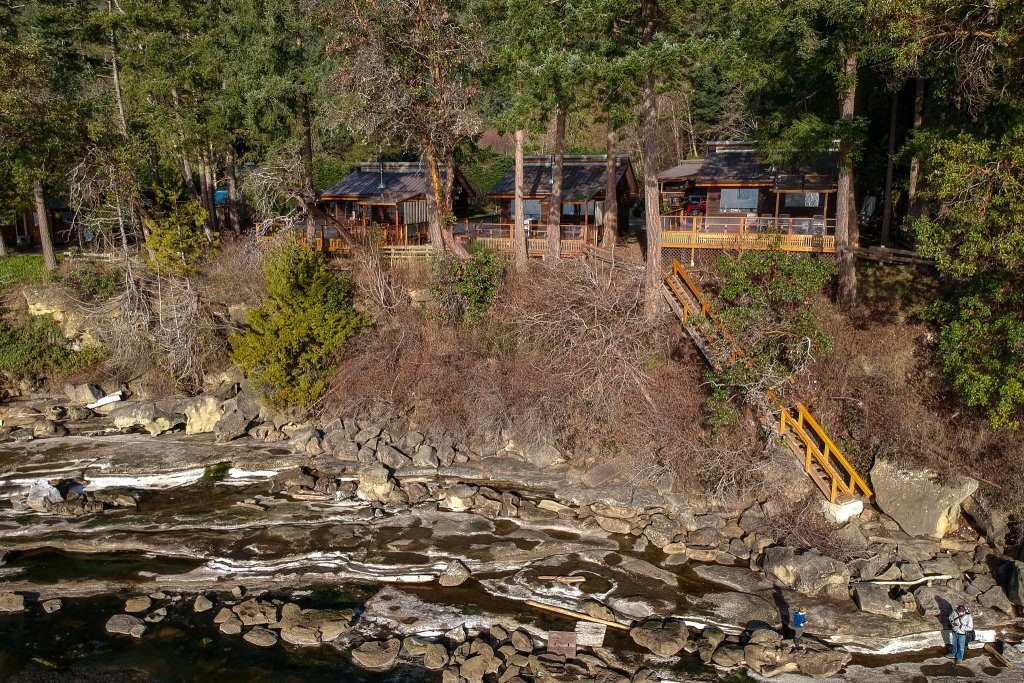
(799, 620)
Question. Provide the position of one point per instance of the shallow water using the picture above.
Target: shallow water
(183, 647)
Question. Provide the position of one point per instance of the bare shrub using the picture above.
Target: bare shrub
(565, 357)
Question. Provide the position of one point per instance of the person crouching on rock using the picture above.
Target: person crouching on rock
(962, 623)
(797, 622)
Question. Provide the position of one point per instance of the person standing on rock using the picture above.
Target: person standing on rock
(962, 623)
(797, 622)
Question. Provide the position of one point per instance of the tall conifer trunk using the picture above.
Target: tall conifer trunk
(649, 148)
(913, 206)
(520, 247)
(309, 194)
(611, 191)
(887, 210)
(847, 230)
(45, 234)
(554, 232)
(234, 213)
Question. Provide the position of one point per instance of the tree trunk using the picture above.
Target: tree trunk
(611, 191)
(847, 231)
(652, 209)
(913, 207)
(233, 210)
(554, 232)
(447, 206)
(438, 206)
(520, 247)
(307, 156)
(887, 209)
(122, 120)
(45, 234)
(207, 198)
(3, 244)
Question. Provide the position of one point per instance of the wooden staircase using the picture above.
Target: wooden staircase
(822, 460)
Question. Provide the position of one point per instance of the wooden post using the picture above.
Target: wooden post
(778, 196)
(405, 237)
(824, 213)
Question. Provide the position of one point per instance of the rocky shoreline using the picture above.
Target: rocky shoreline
(264, 503)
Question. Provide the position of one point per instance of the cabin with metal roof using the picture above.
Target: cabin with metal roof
(583, 194)
(388, 196)
(732, 196)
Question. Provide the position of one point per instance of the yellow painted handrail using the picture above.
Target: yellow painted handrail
(799, 424)
(813, 451)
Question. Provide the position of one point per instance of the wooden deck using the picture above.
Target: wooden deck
(749, 233)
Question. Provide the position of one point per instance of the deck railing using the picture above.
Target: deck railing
(748, 233)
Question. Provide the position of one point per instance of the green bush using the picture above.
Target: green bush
(464, 288)
(33, 348)
(24, 269)
(176, 241)
(94, 283)
(289, 349)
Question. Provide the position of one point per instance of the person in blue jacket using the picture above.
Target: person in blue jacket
(797, 622)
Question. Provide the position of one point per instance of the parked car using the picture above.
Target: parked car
(695, 205)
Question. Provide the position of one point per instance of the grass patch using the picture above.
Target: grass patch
(214, 473)
(24, 269)
(33, 348)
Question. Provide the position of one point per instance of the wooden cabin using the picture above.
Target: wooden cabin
(387, 196)
(583, 194)
(731, 197)
(22, 230)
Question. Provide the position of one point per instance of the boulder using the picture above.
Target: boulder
(921, 502)
(125, 625)
(435, 657)
(455, 574)
(377, 655)
(541, 455)
(147, 415)
(876, 600)
(995, 598)
(809, 572)
(821, 664)
(425, 456)
(46, 429)
(663, 638)
(375, 482)
(202, 413)
(460, 497)
(202, 604)
(1016, 583)
(728, 655)
(255, 612)
(137, 604)
(12, 602)
(393, 458)
(51, 606)
(261, 637)
(237, 415)
(991, 522)
(475, 667)
(42, 496)
(82, 394)
(613, 525)
(301, 635)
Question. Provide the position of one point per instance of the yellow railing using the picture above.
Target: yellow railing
(806, 428)
(705, 309)
(750, 233)
(824, 454)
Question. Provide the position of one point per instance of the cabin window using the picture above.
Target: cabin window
(531, 209)
(807, 200)
(739, 199)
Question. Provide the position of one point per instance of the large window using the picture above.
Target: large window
(739, 200)
(806, 200)
(531, 209)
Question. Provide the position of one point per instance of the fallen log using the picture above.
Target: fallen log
(577, 615)
(923, 579)
(989, 648)
(563, 579)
